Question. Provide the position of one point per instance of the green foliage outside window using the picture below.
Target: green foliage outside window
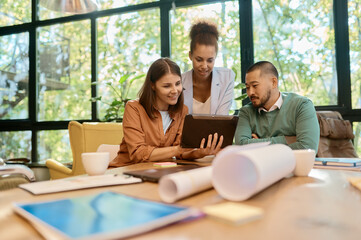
(120, 89)
(14, 12)
(64, 84)
(297, 36)
(15, 144)
(127, 45)
(354, 22)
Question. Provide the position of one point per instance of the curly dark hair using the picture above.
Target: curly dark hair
(204, 33)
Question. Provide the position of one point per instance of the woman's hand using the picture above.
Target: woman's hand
(212, 148)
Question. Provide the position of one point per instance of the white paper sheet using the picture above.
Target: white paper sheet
(239, 172)
(79, 182)
(175, 186)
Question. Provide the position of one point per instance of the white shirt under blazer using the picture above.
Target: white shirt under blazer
(221, 90)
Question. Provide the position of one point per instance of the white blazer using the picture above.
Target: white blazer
(221, 90)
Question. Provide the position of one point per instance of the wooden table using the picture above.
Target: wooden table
(321, 206)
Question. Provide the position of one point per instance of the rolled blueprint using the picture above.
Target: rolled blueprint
(178, 185)
(239, 173)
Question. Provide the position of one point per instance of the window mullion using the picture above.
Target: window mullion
(342, 53)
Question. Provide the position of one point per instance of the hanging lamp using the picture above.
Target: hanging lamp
(70, 6)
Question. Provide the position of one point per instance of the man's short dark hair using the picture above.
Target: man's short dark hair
(265, 67)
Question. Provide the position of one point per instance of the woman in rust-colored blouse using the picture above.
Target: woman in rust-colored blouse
(153, 124)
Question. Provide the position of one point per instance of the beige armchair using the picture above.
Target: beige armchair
(86, 137)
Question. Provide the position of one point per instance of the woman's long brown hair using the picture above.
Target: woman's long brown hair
(147, 95)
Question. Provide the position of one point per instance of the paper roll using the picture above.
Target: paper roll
(178, 185)
(239, 173)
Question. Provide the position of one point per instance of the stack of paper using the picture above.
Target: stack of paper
(80, 182)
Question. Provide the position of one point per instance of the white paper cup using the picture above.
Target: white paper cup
(95, 163)
(305, 158)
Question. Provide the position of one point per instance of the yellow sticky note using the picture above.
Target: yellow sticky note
(355, 181)
(165, 164)
(235, 213)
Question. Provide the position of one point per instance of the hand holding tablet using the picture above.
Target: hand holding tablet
(210, 147)
(199, 127)
(204, 135)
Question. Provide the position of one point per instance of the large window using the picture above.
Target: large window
(357, 140)
(298, 37)
(354, 23)
(125, 46)
(54, 144)
(108, 4)
(14, 12)
(64, 71)
(15, 144)
(14, 76)
(53, 63)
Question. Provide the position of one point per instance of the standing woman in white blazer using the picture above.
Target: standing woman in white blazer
(207, 89)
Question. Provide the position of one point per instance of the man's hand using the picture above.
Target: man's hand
(291, 139)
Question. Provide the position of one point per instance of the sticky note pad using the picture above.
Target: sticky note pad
(165, 164)
(355, 181)
(234, 213)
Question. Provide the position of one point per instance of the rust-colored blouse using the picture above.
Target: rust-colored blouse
(142, 134)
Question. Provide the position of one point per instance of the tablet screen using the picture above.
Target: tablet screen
(105, 215)
(197, 127)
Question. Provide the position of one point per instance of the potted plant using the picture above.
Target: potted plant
(115, 109)
(238, 89)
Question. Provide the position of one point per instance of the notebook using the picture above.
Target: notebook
(78, 182)
(197, 127)
(106, 215)
(154, 174)
(350, 162)
(347, 168)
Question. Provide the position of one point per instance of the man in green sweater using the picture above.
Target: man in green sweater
(285, 118)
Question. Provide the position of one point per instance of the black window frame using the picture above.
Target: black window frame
(340, 11)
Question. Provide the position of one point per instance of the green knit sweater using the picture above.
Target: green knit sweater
(297, 117)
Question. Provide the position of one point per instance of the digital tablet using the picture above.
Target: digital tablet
(197, 127)
(154, 174)
(104, 215)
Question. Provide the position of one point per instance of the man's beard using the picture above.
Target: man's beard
(263, 101)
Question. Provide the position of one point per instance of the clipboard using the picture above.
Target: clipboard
(197, 127)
